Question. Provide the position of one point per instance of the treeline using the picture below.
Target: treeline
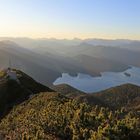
(50, 116)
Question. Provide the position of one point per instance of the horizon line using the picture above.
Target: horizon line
(74, 38)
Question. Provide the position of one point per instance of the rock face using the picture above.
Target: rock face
(15, 87)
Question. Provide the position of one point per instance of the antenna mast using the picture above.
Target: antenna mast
(10, 63)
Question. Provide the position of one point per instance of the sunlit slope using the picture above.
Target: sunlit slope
(52, 116)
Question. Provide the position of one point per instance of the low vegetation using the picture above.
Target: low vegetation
(53, 116)
(2, 74)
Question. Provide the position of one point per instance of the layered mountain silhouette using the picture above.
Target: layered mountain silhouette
(44, 68)
(46, 60)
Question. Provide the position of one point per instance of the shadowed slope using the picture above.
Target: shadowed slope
(13, 92)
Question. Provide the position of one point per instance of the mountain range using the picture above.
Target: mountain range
(46, 59)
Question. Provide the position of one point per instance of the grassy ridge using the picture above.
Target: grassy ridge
(54, 116)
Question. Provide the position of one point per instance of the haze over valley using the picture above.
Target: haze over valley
(48, 59)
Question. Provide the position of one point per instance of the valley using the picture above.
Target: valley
(46, 59)
(91, 84)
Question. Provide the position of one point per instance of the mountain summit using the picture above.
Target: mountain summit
(15, 87)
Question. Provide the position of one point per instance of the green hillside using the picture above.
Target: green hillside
(52, 116)
(67, 90)
(127, 95)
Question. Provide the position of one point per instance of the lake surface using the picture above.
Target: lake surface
(89, 84)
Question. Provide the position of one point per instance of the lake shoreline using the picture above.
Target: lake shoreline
(90, 84)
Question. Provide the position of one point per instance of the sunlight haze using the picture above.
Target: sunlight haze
(109, 19)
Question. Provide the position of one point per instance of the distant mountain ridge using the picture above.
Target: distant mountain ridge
(126, 95)
(28, 42)
(53, 57)
(35, 64)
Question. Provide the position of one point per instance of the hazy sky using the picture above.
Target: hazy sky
(70, 18)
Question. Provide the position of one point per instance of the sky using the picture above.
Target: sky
(108, 19)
